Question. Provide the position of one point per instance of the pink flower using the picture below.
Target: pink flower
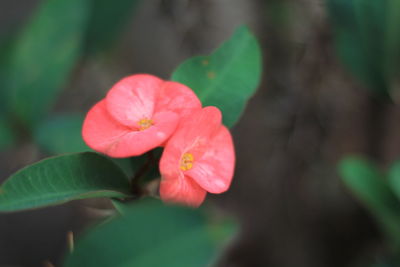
(199, 158)
(139, 113)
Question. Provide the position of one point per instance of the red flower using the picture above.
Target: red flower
(139, 113)
(199, 158)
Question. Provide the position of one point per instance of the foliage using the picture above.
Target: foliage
(60, 179)
(60, 133)
(227, 77)
(379, 192)
(367, 41)
(7, 138)
(38, 69)
(106, 22)
(37, 61)
(36, 65)
(184, 238)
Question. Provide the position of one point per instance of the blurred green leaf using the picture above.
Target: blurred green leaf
(148, 234)
(118, 206)
(61, 134)
(367, 37)
(60, 179)
(370, 186)
(394, 178)
(359, 32)
(43, 56)
(7, 136)
(392, 40)
(6, 45)
(228, 77)
(106, 22)
(125, 165)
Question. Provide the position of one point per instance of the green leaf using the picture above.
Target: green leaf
(394, 178)
(61, 134)
(392, 40)
(366, 35)
(359, 34)
(43, 56)
(7, 136)
(118, 206)
(228, 77)
(107, 20)
(6, 45)
(148, 234)
(147, 164)
(370, 186)
(60, 179)
(125, 165)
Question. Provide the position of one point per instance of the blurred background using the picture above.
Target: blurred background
(328, 90)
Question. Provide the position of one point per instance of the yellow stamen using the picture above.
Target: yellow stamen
(145, 123)
(187, 161)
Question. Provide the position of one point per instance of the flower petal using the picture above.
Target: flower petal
(202, 135)
(103, 134)
(195, 131)
(175, 187)
(214, 170)
(170, 159)
(182, 190)
(177, 97)
(133, 98)
(191, 136)
(100, 130)
(137, 143)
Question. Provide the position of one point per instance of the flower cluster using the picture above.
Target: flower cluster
(142, 112)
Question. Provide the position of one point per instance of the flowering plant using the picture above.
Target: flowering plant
(142, 112)
(187, 118)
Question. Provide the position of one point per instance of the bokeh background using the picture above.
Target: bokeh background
(308, 113)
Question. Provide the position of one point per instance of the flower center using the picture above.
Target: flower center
(145, 123)
(187, 161)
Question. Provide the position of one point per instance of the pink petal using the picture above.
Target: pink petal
(100, 130)
(139, 142)
(178, 98)
(214, 170)
(181, 190)
(204, 137)
(133, 98)
(175, 187)
(170, 159)
(192, 136)
(195, 131)
(103, 134)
